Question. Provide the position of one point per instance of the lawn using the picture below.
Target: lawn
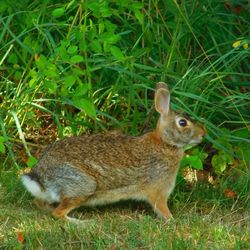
(204, 219)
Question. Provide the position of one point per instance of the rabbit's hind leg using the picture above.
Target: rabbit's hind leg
(44, 205)
(65, 206)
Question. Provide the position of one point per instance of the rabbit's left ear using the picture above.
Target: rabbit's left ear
(161, 85)
(162, 101)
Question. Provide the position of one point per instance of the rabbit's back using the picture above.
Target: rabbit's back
(113, 161)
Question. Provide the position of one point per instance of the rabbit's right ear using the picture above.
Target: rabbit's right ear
(162, 100)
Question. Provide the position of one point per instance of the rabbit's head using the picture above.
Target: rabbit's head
(173, 128)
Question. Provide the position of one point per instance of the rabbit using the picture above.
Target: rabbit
(98, 169)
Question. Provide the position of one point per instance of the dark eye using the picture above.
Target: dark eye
(183, 122)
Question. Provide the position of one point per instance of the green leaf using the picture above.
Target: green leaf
(12, 58)
(106, 13)
(72, 49)
(82, 89)
(51, 71)
(219, 164)
(61, 51)
(137, 5)
(199, 153)
(58, 12)
(100, 9)
(41, 63)
(242, 132)
(94, 6)
(101, 27)
(78, 72)
(2, 147)
(32, 82)
(116, 52)
(193, 161)
(31, 161)
(242, 151)
(224, 142)
(76, 59)
(95, 46)
(172, 6)
(69, 81)
(86, 105)
(139, 16)
(18, 75)
(51, 86)
(83, 45)
(111, 38)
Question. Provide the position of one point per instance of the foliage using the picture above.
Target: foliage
(92, 66)
(236, 154)
(194, 158)
(2, 147)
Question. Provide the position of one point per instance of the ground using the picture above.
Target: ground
(201, 222)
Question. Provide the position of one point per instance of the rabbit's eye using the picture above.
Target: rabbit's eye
(183, 122)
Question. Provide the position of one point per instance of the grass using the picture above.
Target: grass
(71, 68)
(204, 219)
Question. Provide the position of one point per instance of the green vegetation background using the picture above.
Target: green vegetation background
(73, 67)
(85, 66)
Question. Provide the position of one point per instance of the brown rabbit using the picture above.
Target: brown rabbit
(104, 168)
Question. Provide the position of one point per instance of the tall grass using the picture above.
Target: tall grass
(92, 66)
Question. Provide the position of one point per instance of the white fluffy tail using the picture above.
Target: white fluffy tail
(35, 189)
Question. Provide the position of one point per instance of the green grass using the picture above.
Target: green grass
(82, 66)
(203, 220)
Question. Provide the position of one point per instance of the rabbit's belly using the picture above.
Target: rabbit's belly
(115, 195)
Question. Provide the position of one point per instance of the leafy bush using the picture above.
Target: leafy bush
(92, 66)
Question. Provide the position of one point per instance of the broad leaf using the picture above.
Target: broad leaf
(76, 59)
(86, 105)
(117, 53)
(192, 161)
(58, 12)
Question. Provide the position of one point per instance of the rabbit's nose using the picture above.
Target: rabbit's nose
(204, 131)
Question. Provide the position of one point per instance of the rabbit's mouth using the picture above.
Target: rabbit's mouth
(196, 141)
(185, 142)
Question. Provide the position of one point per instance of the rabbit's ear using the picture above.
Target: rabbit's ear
(161, 85)
(162, 101)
